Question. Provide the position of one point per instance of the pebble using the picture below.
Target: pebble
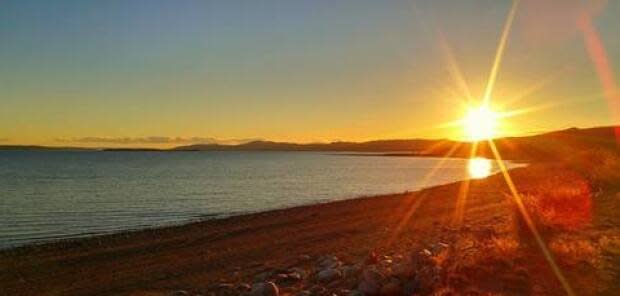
(330, 262)
(355, 293)
(385, 262)
(428, 277)
(411, 287)
(300, 271)
(392, 288)
(343, 292)
(226, 290)
(263, 276)
(372, 276)
(371, 258)
(370, 283)
(243, 287)
(180, 293)
(264, 289)
(294, 276)
(317, 290)
(349, 271)
(329, 275)
(287, 279)
(422, 258)
(403, 270)
(305, 257)
(438, 248)
(368, 288)
(386, 275)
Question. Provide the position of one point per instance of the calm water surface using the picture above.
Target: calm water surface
(61, 194)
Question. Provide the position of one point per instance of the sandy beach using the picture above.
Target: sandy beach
(199, 257)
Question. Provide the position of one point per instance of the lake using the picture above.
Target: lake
(50, 195)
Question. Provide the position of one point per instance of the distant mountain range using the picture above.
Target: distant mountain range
(547, 145)
(37, 147)
(371, 146)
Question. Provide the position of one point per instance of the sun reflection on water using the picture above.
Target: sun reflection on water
(479, 167)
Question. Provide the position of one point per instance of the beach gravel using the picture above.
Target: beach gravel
(264, 289)
(329, 275)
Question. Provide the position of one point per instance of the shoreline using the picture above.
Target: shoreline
(53, 243)
(75, 238)
(232, 226)
(199, 256)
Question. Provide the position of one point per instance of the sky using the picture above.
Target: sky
(168, 73)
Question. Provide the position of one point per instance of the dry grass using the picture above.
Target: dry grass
(610, 244)
(572, 251)
(490, 266)
(600, 166)
(502, 247)
(563, 202)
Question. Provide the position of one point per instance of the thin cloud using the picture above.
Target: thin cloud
(152, 140)
(4, 139)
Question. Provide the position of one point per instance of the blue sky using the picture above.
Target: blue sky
(287, 70)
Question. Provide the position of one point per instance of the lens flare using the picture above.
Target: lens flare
(480, 124)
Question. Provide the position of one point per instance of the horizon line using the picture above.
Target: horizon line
(223, 144)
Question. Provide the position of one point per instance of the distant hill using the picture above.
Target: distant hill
(562, 143)
(46, 148)
(547, 145)
(371, 146)
(133, 149)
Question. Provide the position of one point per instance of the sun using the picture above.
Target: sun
(480, 123)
